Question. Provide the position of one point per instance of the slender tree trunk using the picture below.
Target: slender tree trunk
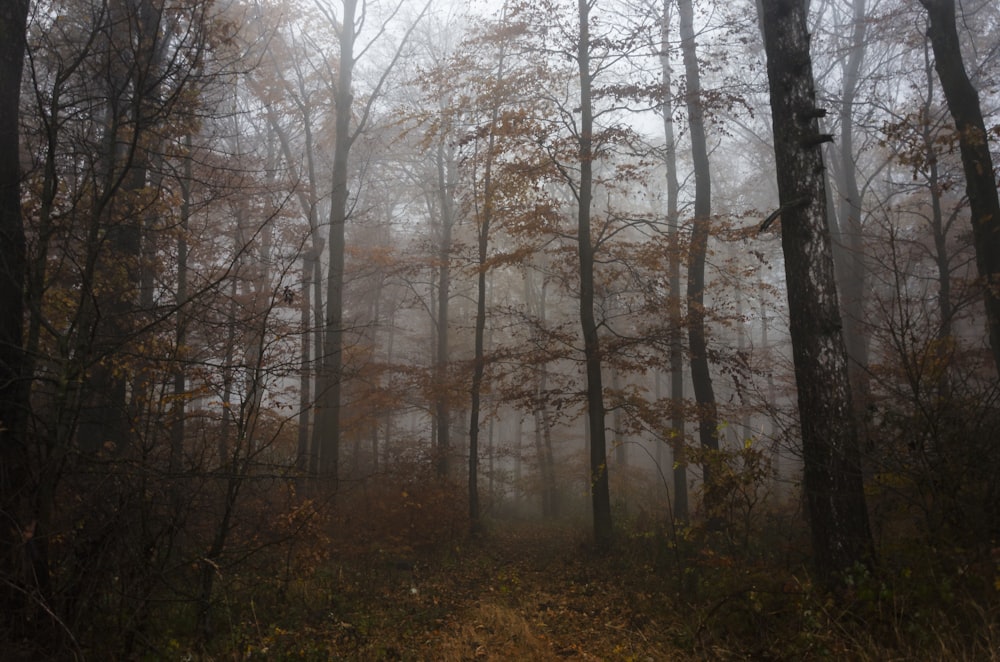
(675, 320)
(599, 489)
(327, 432)
(535, 298)
(980, 178)
(618, 443)
(479, 366)
(831, 455)
(310, 288)
(701, 377)
(939, 228)
(479, 357)
(442, 390)
(180, 339)
(853, 270)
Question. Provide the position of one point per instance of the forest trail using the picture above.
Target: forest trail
(524, 592)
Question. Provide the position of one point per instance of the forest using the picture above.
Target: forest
(499, 330)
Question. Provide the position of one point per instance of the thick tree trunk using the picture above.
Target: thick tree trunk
(599, 490)
(980, 179)
(832, 463)
(13, 394)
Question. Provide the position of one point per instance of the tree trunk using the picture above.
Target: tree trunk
(326, 432)
(599, 490)
(831, 456)
(853, 270)
(701, 378)
(543, 429)
(180, 338)
(442, 391)
(674, 317)
(13, 394)
(980, 179)
(939, 228)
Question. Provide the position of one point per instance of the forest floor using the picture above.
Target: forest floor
(525, 592)
(532, 592)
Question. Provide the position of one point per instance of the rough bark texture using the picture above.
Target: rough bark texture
(599, 490)
(832, 467)
(980, 180)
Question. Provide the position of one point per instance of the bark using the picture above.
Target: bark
(701, 378)
(977, 162)
(675, 320)
(13, 394)
(599, 490)
(834, 492)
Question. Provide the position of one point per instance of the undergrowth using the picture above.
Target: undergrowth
(534, 591)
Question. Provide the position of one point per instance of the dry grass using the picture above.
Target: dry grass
(492, 632)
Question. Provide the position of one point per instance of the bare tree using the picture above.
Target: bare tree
(980, 178)
(674, 315)
(349, 124)
(599, 490)
(701, 377)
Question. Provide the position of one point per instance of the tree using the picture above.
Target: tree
(13, 395)
(599, 490)
(835, 499)
(348, 126)
(852, 269)
(674, 315)
(980, 178)
(484, 206)
(701, 377)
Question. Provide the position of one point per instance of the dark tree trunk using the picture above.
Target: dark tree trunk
(701, 378)
(831, 455)
(599, 490)
(479, 367)
(485, 214)
(980, 180)
(674, 316)
(13, 394)
(326, 432)
(939, 226)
